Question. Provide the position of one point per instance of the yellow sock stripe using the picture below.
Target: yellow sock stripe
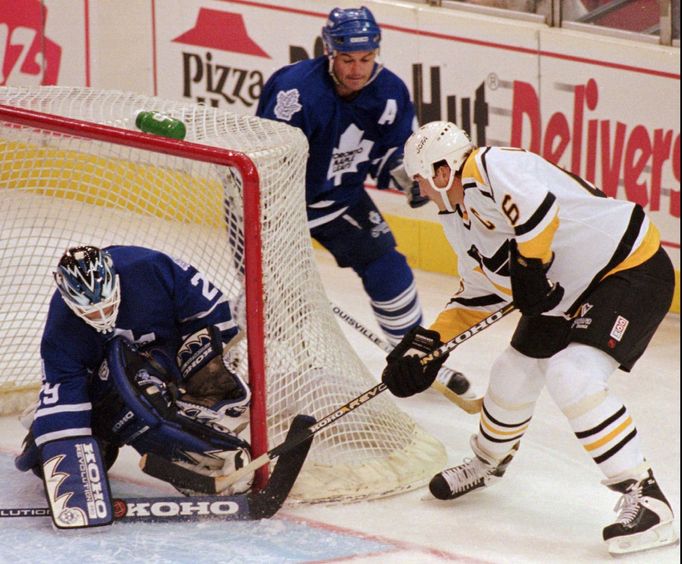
(608, 437)
(496, 431)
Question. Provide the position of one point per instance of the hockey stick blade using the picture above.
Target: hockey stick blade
(297, 438)
(472, 406)
(176, 475)
(266, 502)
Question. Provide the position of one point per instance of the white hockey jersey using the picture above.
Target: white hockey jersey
(514, 194)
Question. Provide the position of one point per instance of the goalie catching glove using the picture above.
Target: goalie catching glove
(145, 409)
(206, 379)
(404, 374)
(532, 291)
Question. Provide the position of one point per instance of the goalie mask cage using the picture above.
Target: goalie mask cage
(74, 170)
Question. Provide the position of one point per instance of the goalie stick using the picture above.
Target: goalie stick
(242, 507)
(218, 483)
(470, 405)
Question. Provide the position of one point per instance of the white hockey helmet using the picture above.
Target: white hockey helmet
(88, 283)
(435, 142)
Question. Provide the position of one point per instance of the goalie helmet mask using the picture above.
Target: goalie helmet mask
(88, 283)
(349, 30)
(433, 143)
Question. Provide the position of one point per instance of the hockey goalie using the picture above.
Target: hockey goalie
(132, 354)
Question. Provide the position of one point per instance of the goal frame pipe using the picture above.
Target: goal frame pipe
(253, 257)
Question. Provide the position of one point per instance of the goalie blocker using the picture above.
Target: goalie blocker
(76, 483)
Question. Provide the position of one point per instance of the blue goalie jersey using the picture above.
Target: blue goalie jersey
(163, 300)
(349, 139)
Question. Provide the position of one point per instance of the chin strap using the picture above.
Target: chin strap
(446, 200)
(444, 191)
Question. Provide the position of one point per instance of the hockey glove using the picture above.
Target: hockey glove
(533, 292)
(404, 375)
(405, 184)
(207, 380)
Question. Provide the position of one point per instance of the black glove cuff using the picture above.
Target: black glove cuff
(419, 341)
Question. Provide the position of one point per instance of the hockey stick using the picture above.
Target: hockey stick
(457, 340)
(282, 480)
(219, 483)
(200, 482)
(241, 507)
(470, 405)
(162, 509)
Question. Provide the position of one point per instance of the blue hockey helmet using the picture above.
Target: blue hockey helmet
(87, 280)
(352, 29)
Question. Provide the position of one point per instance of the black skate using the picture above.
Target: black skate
(474, 473)
(645, 519)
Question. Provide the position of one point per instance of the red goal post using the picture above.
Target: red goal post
(74, 170)
(252, 232)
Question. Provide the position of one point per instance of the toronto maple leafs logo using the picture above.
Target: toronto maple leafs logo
(287, 104)
(352, 150)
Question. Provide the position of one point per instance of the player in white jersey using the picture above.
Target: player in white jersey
(592, 283)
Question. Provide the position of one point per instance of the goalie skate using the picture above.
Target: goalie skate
(645, 519)
(478, 472)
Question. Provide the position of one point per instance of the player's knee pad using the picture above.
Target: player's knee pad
(576, 375)
(29, 458)
(386, 277)
(515, 379)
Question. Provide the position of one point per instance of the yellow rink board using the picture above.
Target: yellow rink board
(143, 188)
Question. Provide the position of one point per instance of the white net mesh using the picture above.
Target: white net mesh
(60, 189)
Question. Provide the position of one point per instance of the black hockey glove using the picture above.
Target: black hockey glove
(404, 375)
(405, 184)
(414, 198)
(533, 292)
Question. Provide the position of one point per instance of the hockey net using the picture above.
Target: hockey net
(74, 170)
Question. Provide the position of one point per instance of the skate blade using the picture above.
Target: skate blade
(656, 537)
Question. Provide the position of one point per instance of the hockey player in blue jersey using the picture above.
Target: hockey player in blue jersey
(177, 398)
(356, 115)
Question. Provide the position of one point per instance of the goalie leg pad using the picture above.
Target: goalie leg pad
(76, 483)
(150, 421)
